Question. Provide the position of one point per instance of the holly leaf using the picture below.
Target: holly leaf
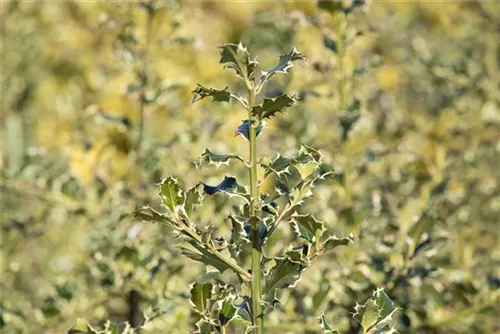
(194, 196)
(334, 242)
(197, 252)
(285, 62)
(375, 316)
(307, 227)
(216, 159)
(217, 95)
(279, 166)
(227, 311)
(244, 128)
(236, 57)
(200, 295)
(284, 274)
(271, 106)
(171, 194)
(147, 213)
(228, 186)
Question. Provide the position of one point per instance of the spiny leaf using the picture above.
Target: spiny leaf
(244, 128)
(216, 159)
(271, 106)
(308, 227)
(299, 254)
(308, 154)
(171, 194)
(284, 274)
(217, 95)
(194, 196)
(333, 242)
(285, 62)
(279, 166)
(148, 214)
(199, 253)
(228, 186)
(236, 57)
(375, 316)
(370, 315)
(200, 294)
(227, 311)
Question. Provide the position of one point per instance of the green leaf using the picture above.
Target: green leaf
(171, 194)
(423, 225)
(308, 154)
(194, 196)
(216, 159)
(370, 315)
(331, 6)
(236, 57)
(284, 274)
(227, 311)
(279, 166)
(375, 316)
(146, 213)
(200, 295)
(199, 253)
(333, 242)
(217, 95)
(80, 326)
(285, 62)
(308, 227)
(271, 106)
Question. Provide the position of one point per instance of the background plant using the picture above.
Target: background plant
(428, 110)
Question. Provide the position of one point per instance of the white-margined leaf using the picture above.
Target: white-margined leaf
(270, 106)
(236, 57)
(211, 158)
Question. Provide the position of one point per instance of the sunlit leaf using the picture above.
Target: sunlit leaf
(285, 62)
(236, 57)
(171, 194)
(216, 159)
(271, 106)
(200, 294)
(308, 227)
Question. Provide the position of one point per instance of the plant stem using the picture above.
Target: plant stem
(256, 246)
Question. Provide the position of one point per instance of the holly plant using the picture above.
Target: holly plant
(252, 291)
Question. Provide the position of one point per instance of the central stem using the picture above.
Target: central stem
(254, 193)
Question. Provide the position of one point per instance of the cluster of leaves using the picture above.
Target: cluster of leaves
(415, 141)
(219, 301)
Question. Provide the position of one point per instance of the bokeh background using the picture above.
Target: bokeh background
(96, 110)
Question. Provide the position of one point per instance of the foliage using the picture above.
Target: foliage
(401, 98)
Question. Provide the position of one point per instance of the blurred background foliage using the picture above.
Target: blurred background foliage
(401, 97)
